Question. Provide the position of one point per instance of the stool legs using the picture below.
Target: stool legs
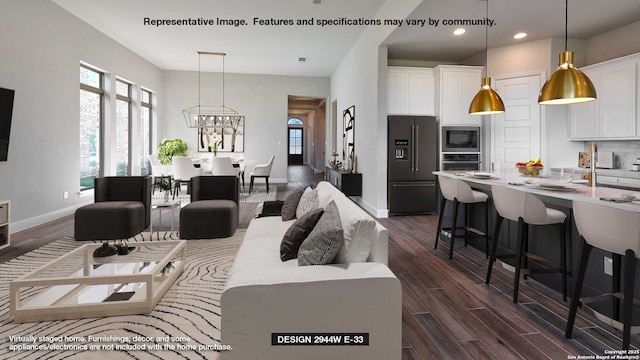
(494, 247)
(443, 202)
(627, 305)
(577, 288)
(563, 260)
(522, 228)
(453, 226)
(486, 229)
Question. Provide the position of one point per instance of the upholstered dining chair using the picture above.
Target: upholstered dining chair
(262, 171)
(222, 166)
(183, 171)
(159, 171)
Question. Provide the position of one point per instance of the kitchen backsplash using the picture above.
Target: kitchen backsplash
(626, 151)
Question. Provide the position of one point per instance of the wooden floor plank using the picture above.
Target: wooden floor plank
(441, 337)
(525, 349)
(477, 350)
(419, 340)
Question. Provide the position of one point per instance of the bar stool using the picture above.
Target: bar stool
(617, 231)
(459, 192)
(526, 209)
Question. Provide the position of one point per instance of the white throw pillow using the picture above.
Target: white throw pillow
(308, 201)
(358, 231)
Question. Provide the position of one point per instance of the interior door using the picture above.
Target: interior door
(295, 145)
(517, 131)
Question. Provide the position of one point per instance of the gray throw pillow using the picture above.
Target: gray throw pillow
(297, 233)
(291, 204)
(308, 201)
(324, 241)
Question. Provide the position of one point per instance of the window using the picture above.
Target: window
(123, 118)
(145, 127)
(295, 141)
(295, 121)
(91, 100)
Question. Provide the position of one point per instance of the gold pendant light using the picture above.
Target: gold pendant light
(567, 85)
(486, 101)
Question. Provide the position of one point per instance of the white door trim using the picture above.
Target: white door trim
(543, 143)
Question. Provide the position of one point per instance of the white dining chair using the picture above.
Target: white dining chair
(159, 171)
(262, 171)
(459, 192)
(616, 231)
(222, 166)
(183, 171)
(526, 209)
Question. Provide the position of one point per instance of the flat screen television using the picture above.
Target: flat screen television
(6, 112)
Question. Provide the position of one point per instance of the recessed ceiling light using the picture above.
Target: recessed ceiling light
(302, 59)
(520, 35)
(459, 31)
(318, 2)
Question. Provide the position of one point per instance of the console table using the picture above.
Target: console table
(349, 183)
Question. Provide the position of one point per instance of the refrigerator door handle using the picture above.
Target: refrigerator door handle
(416, 146)
(413, 150)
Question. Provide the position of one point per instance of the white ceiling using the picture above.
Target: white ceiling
(539, 18)
(275, 49)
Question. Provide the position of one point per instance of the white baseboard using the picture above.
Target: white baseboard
(379, 213)
(44, 218)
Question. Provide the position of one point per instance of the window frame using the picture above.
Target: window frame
(101, 122)
(149, 106)
(129, 102)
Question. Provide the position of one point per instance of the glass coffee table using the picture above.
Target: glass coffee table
(77, 285)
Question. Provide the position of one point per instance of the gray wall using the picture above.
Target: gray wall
(262, 99)
(41, 48)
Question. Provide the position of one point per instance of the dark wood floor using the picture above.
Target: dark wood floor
(448, 311)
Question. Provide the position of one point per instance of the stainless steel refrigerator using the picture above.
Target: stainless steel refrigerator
(412, 157)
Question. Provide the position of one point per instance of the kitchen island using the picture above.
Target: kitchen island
(542, 238)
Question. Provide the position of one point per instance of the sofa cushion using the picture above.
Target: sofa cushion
(291, 204)
(271, 208)
(297, 233)
(324, 241)
(358, 231)
(308, 202)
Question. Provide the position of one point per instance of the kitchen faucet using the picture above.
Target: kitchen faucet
(594, 158)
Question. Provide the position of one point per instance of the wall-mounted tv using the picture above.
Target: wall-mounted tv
(6, 111)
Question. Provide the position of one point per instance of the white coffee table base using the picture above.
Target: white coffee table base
(162, 205)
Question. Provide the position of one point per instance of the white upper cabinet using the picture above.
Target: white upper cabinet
(410, 91)
(456, 87)
(613, 115)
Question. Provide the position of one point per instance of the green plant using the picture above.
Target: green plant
(169, 148)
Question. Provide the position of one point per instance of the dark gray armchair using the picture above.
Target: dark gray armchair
(122, 209)
(213, 211)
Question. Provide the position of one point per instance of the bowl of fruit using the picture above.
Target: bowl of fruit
(531, 168)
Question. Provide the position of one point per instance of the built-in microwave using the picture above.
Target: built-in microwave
(460, 139)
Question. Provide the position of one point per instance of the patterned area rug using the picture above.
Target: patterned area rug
(189, 312)
(258, 194)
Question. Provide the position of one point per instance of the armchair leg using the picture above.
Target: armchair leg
(251, 185)
(267, 180)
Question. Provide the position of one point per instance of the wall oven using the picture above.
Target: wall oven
(461, 162)
(461, 139)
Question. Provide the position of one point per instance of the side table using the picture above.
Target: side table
(160, 205)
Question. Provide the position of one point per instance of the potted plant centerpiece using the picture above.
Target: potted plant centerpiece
(169, 148)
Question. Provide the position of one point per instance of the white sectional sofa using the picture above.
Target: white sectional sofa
(265, 296)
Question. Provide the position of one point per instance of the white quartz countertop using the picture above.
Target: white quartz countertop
(572, 192)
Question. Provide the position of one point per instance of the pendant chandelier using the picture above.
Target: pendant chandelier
(486, 101)
(567, 85)
(211, 116)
